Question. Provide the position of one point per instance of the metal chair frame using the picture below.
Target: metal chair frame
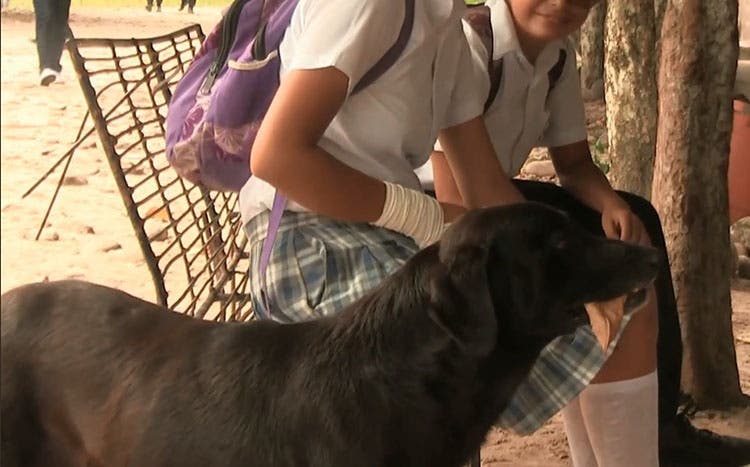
(191, 238)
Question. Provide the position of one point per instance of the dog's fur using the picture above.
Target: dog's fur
(414, 374)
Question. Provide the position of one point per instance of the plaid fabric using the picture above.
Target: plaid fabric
(564, 368)
(319, 266)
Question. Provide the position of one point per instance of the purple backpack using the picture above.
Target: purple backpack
(221, 100)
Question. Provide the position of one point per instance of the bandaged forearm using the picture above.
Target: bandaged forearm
(412, 213)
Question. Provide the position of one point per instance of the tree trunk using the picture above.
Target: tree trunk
(659, 7)
(592, 53)
(699, 58)
(630, 90)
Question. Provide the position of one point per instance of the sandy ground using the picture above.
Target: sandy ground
(88, 235)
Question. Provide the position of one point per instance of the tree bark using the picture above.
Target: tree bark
(659, 7)
(592, 53)
(630, 92)
(699, 58)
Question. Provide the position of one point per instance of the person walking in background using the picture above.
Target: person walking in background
(52, 28)
(150, 5)
(189, 3)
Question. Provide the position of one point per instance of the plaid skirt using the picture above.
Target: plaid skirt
(318, 266)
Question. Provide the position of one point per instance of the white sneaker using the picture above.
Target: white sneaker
(48, 76)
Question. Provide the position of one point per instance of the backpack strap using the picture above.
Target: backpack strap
(227, 29)
(479, 18)
(496, 76)
(556, 71)
(392, 54)
(274, 220)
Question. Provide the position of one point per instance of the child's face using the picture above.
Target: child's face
(548, 20)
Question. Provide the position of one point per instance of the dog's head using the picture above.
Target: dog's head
(520, 274)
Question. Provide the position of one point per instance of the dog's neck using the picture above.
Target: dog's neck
(388, 351)
(393, 318)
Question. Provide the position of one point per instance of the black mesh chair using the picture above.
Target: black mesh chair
(191, 238)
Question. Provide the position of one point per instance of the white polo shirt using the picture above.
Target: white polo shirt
(389, 128)
(523, 115)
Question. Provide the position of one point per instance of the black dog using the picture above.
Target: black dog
(414, 374)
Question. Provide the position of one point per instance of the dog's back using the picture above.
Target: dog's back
(93, 376)
(89, 372)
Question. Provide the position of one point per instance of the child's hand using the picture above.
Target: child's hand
(619, 222)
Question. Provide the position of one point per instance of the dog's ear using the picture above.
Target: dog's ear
(461, 304)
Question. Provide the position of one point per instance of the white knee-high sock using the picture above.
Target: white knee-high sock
(581, 452)
(622, 421)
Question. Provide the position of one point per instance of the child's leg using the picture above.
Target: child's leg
(600, 427)
(669, 340)
(581, 452)
(621, 420)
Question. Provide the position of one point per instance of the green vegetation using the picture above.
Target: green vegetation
(599, 153)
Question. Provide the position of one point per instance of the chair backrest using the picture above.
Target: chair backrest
(191, 238)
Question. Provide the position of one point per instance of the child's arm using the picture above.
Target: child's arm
(445, 186)
(582, 178)
(286, 152)
(475, 170)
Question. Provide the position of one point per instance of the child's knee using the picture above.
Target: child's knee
(646, 212)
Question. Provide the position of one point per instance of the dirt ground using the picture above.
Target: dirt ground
(88, 235)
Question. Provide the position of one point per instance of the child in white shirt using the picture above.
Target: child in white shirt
(537, 102)
(340, 156)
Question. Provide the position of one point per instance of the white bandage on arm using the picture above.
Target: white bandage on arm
(412, 213)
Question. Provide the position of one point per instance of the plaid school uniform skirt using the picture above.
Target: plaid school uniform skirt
(318, 266)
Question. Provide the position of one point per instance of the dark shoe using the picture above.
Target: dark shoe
(148, 7)
(190, 10)
(682, 444)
